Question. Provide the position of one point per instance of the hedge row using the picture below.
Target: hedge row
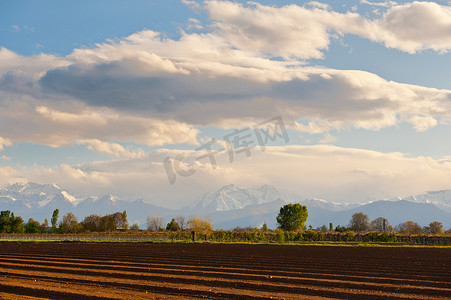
(277, 236)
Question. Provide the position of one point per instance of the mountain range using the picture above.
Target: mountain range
(229, 207)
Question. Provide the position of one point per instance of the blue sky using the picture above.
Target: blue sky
(89, 85)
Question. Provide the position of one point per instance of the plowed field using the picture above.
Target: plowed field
(220, 271)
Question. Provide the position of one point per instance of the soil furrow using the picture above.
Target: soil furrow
(271, 283)
(224, 273)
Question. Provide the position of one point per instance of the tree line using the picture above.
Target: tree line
(9, 223)
(291, 217)
(69, 223)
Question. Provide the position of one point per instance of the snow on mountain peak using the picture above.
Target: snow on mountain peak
(232, 197)
(37, 195)
(69, 197)
(441, 199)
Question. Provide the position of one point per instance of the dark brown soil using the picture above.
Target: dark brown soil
(220, 271)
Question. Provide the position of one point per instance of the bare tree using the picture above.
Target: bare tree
(91, 223)
(69, 223)
(381, 224)
(359, 222)
(154, 223)
(434, 228)
(180, 220)
(409, 227)
(120, 218)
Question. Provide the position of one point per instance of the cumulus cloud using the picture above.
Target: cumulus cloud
(417, 26)
(26, 118)
(153, 90)
(306, 31)
(198, 96)
(281, 31)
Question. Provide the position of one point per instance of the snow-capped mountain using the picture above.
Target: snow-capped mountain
(32, 196)
(231, 197)
(228, 207)
(441, 199)
(37, 201)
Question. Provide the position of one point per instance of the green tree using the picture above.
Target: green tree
(173, 225)
(54, 219)
(32, 226)
(134, 227)
(9, 223)
(292, 216)
(359, 222)
(340, 228)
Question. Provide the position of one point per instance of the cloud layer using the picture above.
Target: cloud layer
(328, 172)
(248, 64)
(153, 90)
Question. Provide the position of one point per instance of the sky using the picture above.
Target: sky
(167, 100)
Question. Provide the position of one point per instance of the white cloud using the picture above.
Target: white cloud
(8, 175)
(383, 4)
(417, 26)
(194, 24)
(153, 90)
(287, 31)
(328, 139)
(33, 66)
(4, 142)
(25, 118)
(421, 123)
(112, 149)
(305, 31)
(318, 5)
(198, 92)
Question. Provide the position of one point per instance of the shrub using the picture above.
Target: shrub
(280, 236)
(349, 236)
